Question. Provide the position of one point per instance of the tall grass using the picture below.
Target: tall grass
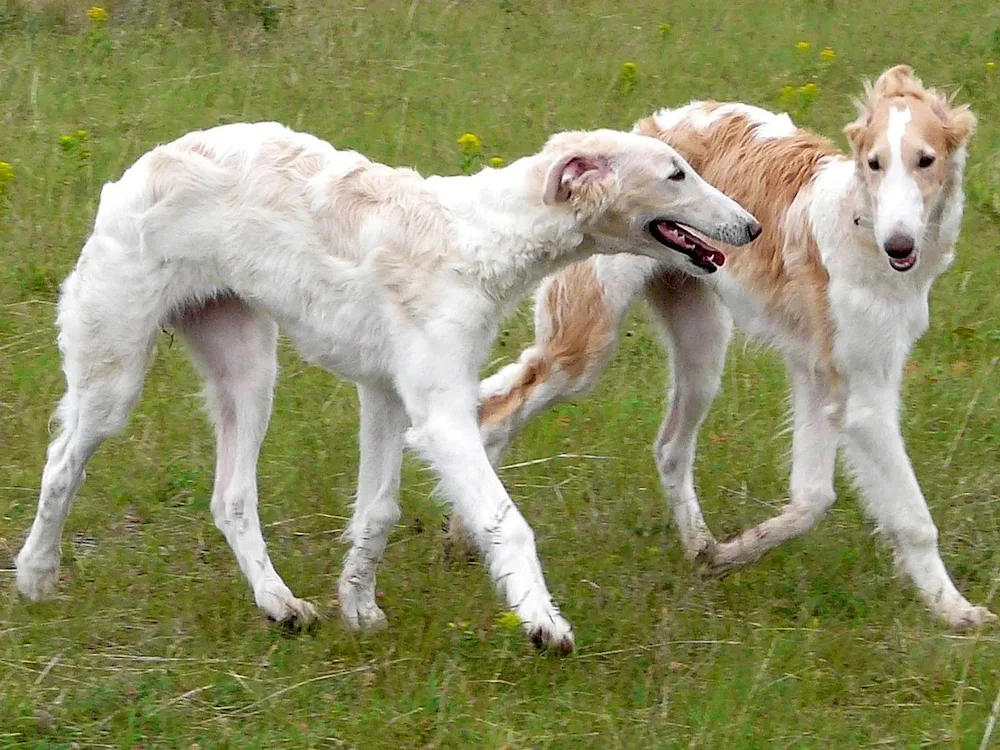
(154, 640)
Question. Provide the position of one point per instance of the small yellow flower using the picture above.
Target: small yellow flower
(787, 97)
(470, 143)
(810, 90)
(97, 14)
(665, 29)
(803, 47)
(67, 142)
(990, 66)
(496, 162)
(509, 621)
(828, 54)
(6, 173)
(629, 77)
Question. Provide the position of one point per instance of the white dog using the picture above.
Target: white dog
(392, 280)
(838, 284)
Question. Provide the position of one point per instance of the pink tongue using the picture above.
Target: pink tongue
(903, 264)
(702, 250)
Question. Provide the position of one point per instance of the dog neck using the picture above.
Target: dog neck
(510, 240)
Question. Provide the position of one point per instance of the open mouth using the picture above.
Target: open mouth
(678, 238)
(902, 261)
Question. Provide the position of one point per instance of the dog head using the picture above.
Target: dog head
(910, 145)
(638, 195)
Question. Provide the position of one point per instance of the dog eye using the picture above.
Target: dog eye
(925, 161)
(677, 176)
(873, 164)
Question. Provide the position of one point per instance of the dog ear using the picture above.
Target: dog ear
(960, 124)
(854, 131)
(570, 173)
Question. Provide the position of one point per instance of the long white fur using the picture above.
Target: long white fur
(878, 314)
(229, 233)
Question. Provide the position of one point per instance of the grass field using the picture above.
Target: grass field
(154, 640)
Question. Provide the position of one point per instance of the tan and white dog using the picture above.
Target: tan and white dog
(392, 280)
(838, 284)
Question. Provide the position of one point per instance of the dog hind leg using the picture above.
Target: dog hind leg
(234, 348)
(105, 359)
(696, 329)
(814, 456)
(578, 315)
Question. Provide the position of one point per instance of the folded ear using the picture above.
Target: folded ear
(855, 130)
(570, 173)
(961, 124)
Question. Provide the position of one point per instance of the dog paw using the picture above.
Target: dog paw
(287, 610)
(701, 551)
(37, 580)
(359, 610)
(550, 631)
(364, 617)
(968, 617)
(717, 560)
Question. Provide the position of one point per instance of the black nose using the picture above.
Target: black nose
(898, 246)
(755, 229)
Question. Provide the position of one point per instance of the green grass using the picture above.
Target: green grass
(154, 640)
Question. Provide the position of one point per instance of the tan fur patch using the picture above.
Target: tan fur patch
(416, 245)
(581, 334)
(765, 176)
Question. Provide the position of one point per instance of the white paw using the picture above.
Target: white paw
(549, 629)
(359, 609)
(37, 580)
(966, 617)
(279, 605)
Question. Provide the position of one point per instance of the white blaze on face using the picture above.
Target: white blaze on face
(900, 204)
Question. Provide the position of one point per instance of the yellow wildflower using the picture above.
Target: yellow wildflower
(509, 620)
(665, 29)
(629, 77)
(803, 47)
(97, 14)
(828, 54)
(810, 90)
(787, 97)
(496, 162)
(6, 173)
(67, 142)
(470, 143)
(990, 66)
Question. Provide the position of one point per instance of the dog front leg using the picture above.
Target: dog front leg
(877, 457)
(376, 510)
(447, 436)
